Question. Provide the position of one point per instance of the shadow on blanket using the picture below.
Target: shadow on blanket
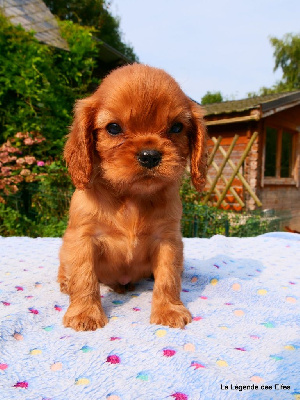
(193, 282)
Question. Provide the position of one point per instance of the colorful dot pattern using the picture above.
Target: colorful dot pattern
(244, 298)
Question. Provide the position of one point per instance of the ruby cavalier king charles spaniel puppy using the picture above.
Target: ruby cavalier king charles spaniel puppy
(126, 153)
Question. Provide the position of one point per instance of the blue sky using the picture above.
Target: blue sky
(215, 45)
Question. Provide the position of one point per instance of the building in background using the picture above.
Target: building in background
(271, 167)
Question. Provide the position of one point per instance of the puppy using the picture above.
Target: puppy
(126, 152)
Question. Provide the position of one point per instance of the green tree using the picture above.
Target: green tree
(96, 14)
(287, 57)
(212, 97)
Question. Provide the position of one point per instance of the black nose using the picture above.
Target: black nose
(149, 158)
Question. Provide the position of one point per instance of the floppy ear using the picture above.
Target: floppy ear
(78, 151)
(198, 150)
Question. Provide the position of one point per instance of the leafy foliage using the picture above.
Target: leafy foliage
(212, 97)
(95, 14)
(287, 57)
(203, 221)
(39, 84)
(200, 220)
(188, 193)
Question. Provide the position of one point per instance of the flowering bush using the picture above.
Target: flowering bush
(19, 162)
(35, 188)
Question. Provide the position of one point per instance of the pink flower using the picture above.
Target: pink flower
(40, 163)
(20, 161)
(5, 171)
(25, 172)
(20, 135)
(29, 159)
(14, 188)
(4, 157)
(28, 141)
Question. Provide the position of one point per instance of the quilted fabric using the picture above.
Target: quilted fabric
(243, 341)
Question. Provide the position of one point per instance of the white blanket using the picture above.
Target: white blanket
(243, 341)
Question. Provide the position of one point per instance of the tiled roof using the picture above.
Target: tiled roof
(265, 102)
(34, 15)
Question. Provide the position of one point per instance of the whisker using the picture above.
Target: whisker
(118, 145)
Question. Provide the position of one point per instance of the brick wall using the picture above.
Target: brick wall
(282, 198)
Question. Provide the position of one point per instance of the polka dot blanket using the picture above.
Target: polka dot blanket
(243, 342)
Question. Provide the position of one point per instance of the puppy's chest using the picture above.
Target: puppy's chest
(133, 229)
(130, 220)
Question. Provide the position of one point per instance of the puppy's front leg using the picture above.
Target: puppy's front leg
(85, 312)
(167, 308)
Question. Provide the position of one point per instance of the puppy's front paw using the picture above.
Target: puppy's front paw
(90, 319)
(172, 315)
(64, 287)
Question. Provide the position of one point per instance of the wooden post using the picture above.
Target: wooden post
(232, 191)
(206, 198)
(242, 179)
(236, 169)
(215, 149)
(218, 193)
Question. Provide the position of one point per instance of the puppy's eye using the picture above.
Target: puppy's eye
(114, 129)
(176, 128)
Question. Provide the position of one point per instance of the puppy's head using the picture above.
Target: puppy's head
(136, 133)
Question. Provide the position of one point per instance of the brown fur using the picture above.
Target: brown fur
(124, 220)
